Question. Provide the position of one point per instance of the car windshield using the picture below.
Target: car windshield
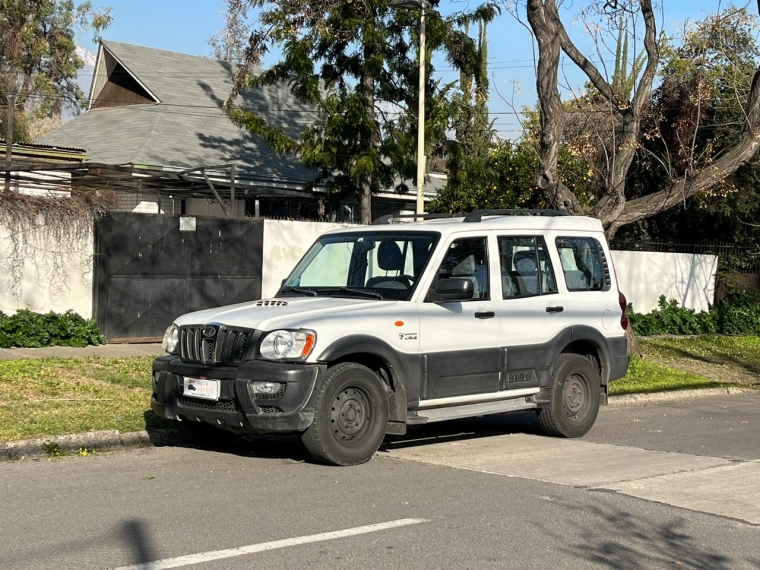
(371, 265)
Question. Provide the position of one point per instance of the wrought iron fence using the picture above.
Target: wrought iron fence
(732, 259)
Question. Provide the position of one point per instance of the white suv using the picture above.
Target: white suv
(396, 324)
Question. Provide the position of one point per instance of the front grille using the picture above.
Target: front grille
(222, 406)
(213, 344)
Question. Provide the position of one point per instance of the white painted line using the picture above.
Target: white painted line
(264, 546)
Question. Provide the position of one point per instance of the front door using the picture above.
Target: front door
(459, 340)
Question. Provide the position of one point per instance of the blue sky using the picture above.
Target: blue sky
(186, 26)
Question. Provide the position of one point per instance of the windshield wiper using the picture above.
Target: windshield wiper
(372, 294)
(300, 290)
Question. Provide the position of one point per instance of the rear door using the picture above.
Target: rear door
(531, 308)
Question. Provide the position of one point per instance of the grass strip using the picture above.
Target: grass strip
(58, 396)
(737, 351)
(646, 376)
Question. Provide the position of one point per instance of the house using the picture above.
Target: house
(44, 180)
(155, 133)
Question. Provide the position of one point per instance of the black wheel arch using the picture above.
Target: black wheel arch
(397, 370)
(589, 342)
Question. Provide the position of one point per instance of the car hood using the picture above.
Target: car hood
(286, 312)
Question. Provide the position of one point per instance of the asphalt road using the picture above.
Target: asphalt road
(667, 485)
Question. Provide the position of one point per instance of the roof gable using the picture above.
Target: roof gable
(114, 85)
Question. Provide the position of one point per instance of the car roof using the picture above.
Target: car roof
(488, 222)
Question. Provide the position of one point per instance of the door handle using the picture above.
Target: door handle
(485, 315)
(554, 309)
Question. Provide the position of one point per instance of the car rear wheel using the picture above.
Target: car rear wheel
(573, 397)
(351, 416)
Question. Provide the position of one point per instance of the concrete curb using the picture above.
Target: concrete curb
(113, 439)
(676, 395)
(91, 441)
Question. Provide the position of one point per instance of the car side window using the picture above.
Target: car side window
(583, 264)
(526, 269)
(468, 258)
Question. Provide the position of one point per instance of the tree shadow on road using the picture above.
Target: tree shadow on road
(615, 538)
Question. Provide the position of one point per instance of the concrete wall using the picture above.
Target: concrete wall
(644, 276)
(285, 242)
(44, 274)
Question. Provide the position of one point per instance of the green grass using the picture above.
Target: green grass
(645, 376)
(739, 353)
(55, 396)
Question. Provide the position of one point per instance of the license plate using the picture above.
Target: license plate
(201, 388)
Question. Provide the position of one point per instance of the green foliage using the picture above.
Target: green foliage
(38, 59)
(698, 113)
(356, 64)
(737, 314)
(506, 179)
(27, 329)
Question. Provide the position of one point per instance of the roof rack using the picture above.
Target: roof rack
(477, 215)
(383, 220)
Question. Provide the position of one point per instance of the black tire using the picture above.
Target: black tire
(204, 434)
(573, 397)
(350, 416)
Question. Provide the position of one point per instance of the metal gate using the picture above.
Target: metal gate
(151, 268)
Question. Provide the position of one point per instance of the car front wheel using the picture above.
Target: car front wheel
(351, 416)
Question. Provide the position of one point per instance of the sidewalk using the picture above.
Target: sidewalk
(104, 350)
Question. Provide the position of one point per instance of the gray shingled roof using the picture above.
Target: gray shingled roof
(188, 127)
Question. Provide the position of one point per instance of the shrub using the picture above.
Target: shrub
(739, 313)
(27, 329)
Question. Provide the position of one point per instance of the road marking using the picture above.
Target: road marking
(264, 546)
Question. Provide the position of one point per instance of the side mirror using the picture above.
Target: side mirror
(453, 289)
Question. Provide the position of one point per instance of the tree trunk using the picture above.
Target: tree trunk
(550, 103)
(367, 132)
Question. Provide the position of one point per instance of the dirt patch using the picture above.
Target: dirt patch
(713, 371)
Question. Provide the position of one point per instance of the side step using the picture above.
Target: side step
(426, 416)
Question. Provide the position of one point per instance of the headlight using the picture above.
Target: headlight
(171, 339)
(288, 345)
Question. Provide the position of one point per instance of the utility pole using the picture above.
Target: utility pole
(9, 140)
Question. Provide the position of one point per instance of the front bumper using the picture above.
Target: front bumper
(238, 408)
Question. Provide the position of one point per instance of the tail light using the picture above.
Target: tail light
(623, 308)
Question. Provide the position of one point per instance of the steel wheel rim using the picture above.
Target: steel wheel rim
(351, 416)
(576, 398)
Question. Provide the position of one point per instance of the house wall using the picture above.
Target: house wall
(645, 275)
(140, 203)
(203, 207)
(45, 275)
(285, 242)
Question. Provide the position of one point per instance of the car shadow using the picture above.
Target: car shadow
(289, 447)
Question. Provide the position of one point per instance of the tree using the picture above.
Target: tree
(353, 61)
(468, 153)
(626, 125)
(697, 113)
(229, 43)
(38, 59)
